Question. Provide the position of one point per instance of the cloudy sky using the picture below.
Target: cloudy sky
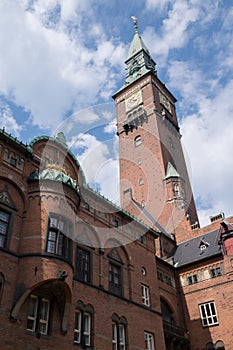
(61, 61)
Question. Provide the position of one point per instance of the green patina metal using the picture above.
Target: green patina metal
(53, 175)
(171, 172)
(139, 61)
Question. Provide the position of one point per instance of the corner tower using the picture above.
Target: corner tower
(154, 182)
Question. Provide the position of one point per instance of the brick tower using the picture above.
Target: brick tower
(154, 182)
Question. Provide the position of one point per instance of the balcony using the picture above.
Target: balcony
(175, 332)
(134, 119)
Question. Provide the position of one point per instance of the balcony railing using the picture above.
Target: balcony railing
(173, 331)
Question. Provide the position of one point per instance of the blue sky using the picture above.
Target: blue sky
(61, 61)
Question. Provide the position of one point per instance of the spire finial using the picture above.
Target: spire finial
(135, 21)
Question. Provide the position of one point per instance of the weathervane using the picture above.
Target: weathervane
(135, 21)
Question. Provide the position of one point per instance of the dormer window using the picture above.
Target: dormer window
(203, 245)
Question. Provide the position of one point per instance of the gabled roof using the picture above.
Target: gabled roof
(192, 250)
(171, 171)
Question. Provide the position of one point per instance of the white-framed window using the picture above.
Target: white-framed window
(114, 336)
(145, 295)
(82, 328)
(122, 336)
(149, 341)
(118, 336)
(38, 315)
(208, 314)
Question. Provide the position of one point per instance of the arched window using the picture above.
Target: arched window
(118, 332)
(219, 345)
(137, 140)
(167, 313)
(83, 325)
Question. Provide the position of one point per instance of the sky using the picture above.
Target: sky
(61, 62)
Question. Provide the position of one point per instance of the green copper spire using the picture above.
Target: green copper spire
(137, 44)
(139, 61)
(171, 172)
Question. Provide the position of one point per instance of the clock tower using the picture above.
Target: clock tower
(154, 182)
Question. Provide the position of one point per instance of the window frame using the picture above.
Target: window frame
(38, 322)
(192, 279)
(149, 341)
(58, 241)
(215, 272)
(145, 290)
(208, 314)
(83, 274)
(115, 288)
(84, 333)
(6, 223)
(119, 333)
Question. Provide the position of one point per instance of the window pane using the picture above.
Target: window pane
(44, 316)
(114, 336)
(83, 264)
(77, 328)
(51, 246)
(122, 337)
(4, 216)
(3, 227)
(53, 222)
(44, 310)
(32, 312)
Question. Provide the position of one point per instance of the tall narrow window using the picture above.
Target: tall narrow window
(115, 281)
(58, 241)
(4, 224)
(82, 328)
(83, 265)
(176, 190)
(38, 315)
(208, 314)
(149, 341)
(118, 333)
(145, 295)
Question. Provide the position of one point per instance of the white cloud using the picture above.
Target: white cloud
(174, 33)
(7, 121)
(95, 153)
(208, 138)
(46, 68)
(111, 127)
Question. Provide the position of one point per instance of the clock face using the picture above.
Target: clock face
(164, 100)
(133, 100)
